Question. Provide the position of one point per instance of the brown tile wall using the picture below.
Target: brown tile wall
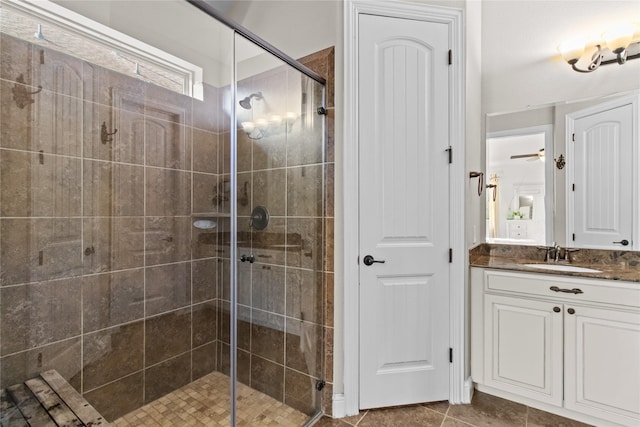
(285, 329)
(102, 275)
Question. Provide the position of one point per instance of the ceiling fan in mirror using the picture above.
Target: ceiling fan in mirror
(532, 156)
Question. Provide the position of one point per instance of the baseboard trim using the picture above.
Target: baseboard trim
(467, 392)
(338, 407)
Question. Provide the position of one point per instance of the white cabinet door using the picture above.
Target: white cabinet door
(523, 347)
(602, 363)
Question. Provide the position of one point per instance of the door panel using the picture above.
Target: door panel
(404, 219)
(603, 196)
(602, 350)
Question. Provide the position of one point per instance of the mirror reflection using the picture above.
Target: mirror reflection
(592, 202)
(517, 199)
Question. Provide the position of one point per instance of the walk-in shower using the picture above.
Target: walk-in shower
(170, 267)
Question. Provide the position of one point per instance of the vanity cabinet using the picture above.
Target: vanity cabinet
(577, 355)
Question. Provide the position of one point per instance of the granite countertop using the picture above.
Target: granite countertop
(613, 265)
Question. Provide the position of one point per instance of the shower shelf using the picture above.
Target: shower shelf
(211, 215)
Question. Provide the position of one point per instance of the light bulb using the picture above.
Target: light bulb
(262, 124)
(618, 37)
(290, 116)
(275, 119)
(571, 50)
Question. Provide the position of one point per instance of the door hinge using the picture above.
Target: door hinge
(573, 137)
(573, 237)
(450, 355)
(450, 57)
(450, 255)
(450, 151)
(573, 187)
(358, 260)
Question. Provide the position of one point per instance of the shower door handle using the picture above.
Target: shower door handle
(245, 258)
(369, 260)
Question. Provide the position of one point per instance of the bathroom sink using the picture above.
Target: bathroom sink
(563, 267)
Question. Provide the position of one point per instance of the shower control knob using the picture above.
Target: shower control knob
(369, 260)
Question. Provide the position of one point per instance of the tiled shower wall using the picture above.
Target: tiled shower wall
(285, 311)
(102, 275)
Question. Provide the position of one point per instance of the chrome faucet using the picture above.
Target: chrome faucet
(559, 254)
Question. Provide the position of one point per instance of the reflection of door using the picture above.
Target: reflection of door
(602, 179)
(404, 211)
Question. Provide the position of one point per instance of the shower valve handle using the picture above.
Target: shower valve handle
(369, 260)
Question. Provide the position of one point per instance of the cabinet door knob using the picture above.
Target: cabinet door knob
(571, 311)
(557, 309)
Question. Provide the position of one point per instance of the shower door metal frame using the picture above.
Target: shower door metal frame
(239, 29)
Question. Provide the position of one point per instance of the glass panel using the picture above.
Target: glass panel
(111, 198)
(280, 204)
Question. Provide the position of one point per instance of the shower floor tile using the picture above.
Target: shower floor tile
(205, 402)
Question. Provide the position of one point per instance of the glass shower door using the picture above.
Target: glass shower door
(279, 157)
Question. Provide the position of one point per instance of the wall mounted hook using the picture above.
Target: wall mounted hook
(105, 135)
(480, 176)
(21, 95)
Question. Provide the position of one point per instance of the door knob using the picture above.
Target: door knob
(369, 260)
(624, 242)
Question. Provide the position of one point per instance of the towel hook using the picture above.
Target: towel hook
(495, 188)
(480, 176)
(105, 135)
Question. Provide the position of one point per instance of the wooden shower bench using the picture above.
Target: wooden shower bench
(46, 401)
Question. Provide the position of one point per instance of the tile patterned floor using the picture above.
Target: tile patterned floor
(484, 410)
(205, 402)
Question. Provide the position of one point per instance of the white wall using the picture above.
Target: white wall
(298, 27)
(520, 64)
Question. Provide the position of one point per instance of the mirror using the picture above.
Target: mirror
(519, 192)
(534, 204)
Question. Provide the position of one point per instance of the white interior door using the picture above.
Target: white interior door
(602, 185)
(403, 210)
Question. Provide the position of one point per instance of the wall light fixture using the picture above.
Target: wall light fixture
(616, 45)
(265, 127)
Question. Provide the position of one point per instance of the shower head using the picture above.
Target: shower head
(246, 102)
